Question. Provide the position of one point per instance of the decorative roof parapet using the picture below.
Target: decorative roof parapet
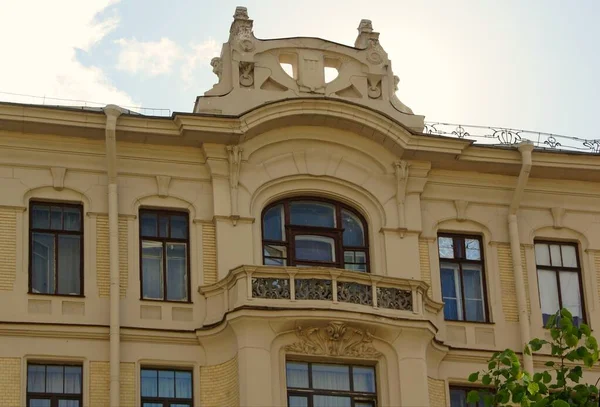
(250, 72)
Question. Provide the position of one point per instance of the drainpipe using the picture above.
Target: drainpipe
(525, 149)
(112, 113)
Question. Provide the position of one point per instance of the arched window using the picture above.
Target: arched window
(314, 232)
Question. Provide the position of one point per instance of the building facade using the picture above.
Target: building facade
(297, 240)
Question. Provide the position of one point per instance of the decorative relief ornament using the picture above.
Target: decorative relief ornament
(217, 64)
(241, 29)
(374, 90)
(246, 74)
(336, 339)
(374, 49)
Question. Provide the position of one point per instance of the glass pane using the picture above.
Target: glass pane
(569, 256)
(446, 247)
(40, 217)
(149, 224)
(356, 267)
(166, 384)
(54, 379)
(149, 383)
(331, 401)
(73, 379)
(163, 226)
(354, 234)
(364, 379)
(473, 291)
(330, 377)
(39, 402)
(176, 272)
(69, 264)
(68, 403)
(458, 398)
(473, 250)
(548, 292)
(152, 270)
(152, 405)
(273, 224)
(569, 290)
(297, 375)
(183, 385)
(179, 227)
(72, 218)
(36, 379)
(315, 248)
(43, 263)
(542, 254)
(451, 291)
(274, 251)
(312, 214)
(272, 261)
(56, 218)
(555, 255)
(297, 401)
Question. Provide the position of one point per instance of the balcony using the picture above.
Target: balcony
(318, 288)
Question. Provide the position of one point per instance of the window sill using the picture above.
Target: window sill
(454, 321)
(167, 301)
(57, 295)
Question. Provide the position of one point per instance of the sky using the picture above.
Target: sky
(528, 65)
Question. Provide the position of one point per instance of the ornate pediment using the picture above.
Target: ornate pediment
(335, 339)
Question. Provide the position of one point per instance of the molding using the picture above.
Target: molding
(235, 219)
(58, 177)
(13, 208)
(461, 210)
(162, 185)
(558, 215)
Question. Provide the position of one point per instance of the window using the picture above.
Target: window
(166, 388)
(164, 242)
(56, 249)
(54, 385)
(458, 397)
(311, 232)
(463, 278)
(559, 279)
(320, 384)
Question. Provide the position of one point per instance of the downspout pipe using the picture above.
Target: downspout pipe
(525, 148)
(112, 113)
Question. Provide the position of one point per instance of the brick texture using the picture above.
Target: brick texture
(8, 249)
(437, 392)
(103, 259)
(597, 269)
(507, 282)
(209, 253)
(425, 264)
(10, 382)
(219, 385)
(100, 384)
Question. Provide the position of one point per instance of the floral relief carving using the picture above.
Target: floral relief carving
(313, 289)
(246, 74)
(272, 288)
(355, 293)
(336, 339)
(394, 298)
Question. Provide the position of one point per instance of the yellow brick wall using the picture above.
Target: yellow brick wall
(103, 259)
(597, 270)
(127, 384)
(100, 384)
(437, 392)
(10, 382)
(219, 385)
(209, 253)
(8, 249)
(425, 264)
(507, 282)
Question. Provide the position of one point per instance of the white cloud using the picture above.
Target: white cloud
(149, 58)
(39, 57)
(153, 58)
(201, 54)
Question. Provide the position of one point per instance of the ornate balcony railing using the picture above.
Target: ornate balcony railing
(317, 287)
(509, 137)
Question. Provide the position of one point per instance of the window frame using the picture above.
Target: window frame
(56, 233)
(166, 401)
(558, 269)
(310, 391)
(467, 389)
(290, 231)
(164, 241)
(459, 261)
(53, 397)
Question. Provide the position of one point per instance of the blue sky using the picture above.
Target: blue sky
(529, 65)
